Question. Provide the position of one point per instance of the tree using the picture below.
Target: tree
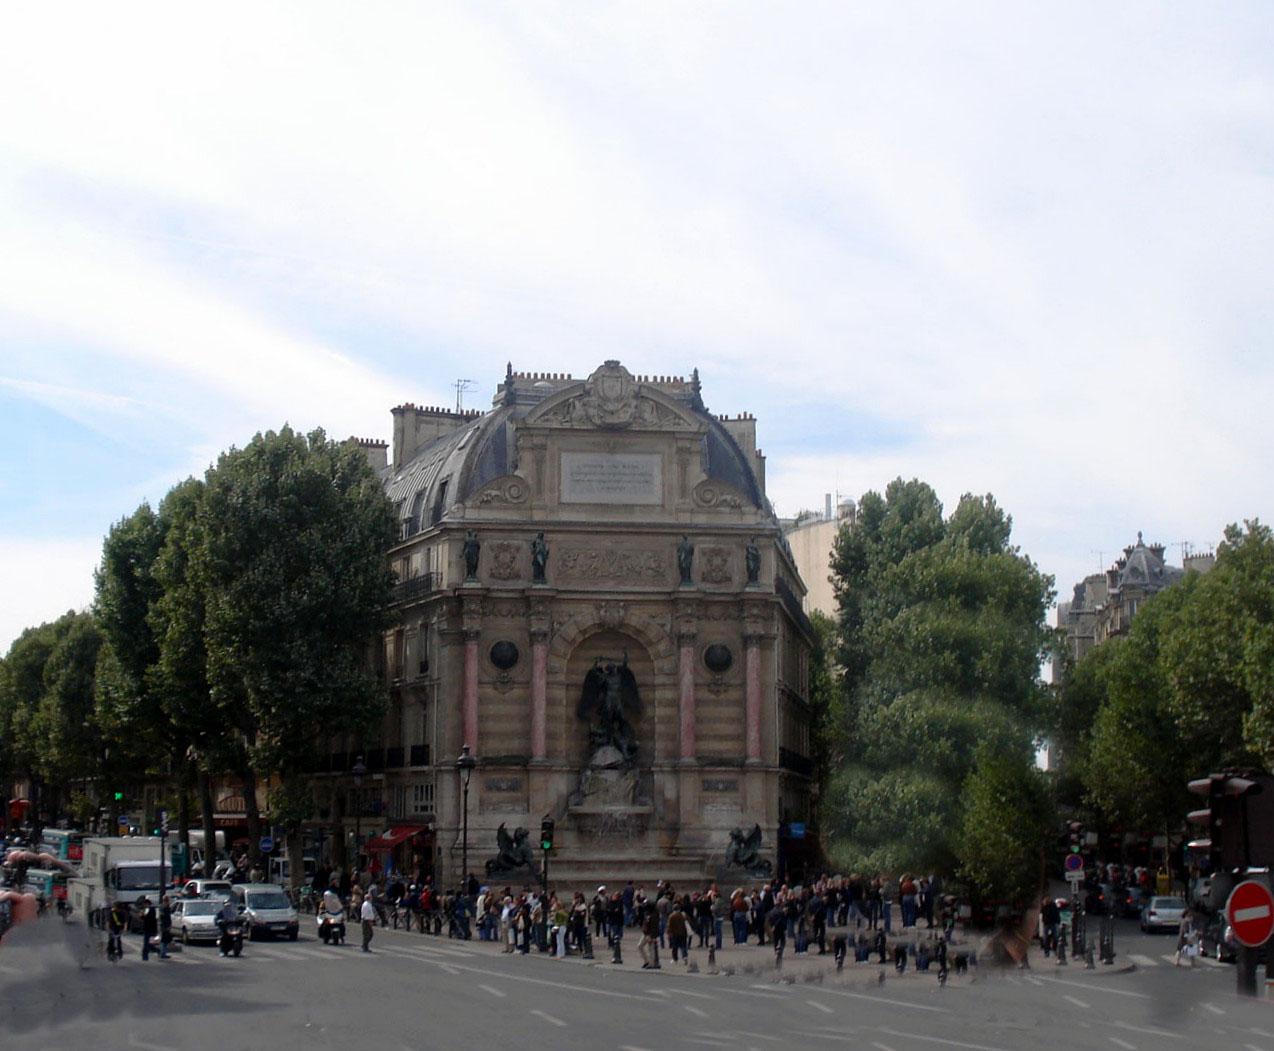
(292, 560)
(1005, 822)
(941, 631)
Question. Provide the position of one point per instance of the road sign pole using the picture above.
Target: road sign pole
(1250, 912)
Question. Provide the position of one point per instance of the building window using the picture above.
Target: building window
(422, 797)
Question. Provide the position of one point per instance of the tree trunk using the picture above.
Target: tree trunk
(209, 824)
(183, 809)
(296, 863)
(252, 812)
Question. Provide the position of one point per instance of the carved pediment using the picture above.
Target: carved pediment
(612, 399)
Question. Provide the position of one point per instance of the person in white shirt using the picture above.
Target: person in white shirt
(368, 915)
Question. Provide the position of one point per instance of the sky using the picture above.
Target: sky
(1014, 248)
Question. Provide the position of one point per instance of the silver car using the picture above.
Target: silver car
(195, 919)
(1163, 913)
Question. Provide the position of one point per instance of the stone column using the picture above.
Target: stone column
(686, 705)
(752, 693)
(539, 694)
(470, 722)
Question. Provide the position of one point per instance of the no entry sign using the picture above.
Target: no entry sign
(1250, 911)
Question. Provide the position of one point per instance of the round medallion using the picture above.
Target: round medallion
(504, 655)
(718, 658)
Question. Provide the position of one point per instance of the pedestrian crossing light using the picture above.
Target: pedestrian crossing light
(119, 797)
(546, 834)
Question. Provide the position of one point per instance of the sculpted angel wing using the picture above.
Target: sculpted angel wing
(628, 690)
(594, 684)
(753, 842)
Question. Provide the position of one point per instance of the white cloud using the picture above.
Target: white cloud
(1037, 251)
(42, 579)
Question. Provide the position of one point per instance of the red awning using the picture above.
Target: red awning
(393, 836)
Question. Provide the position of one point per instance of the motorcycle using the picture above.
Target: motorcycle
(331, 927)
(231, 943)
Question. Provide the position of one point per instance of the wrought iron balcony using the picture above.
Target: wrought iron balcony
(414, 589)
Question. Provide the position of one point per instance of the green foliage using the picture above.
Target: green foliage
(1187, 691)
(941, 632)
(1005, 822)
(294, 532)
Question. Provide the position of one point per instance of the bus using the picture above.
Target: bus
(47, 884)
(65, 844)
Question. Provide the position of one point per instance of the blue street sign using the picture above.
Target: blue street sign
(1074, 863)
(796, 829)
(267, 844)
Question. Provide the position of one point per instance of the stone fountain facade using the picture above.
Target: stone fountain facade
(576, 524)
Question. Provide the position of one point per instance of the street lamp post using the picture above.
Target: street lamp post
(465, 764)
(358, 770)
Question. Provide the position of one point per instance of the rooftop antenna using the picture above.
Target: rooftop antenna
(462, 386)
(1187, 549)
(1101, 558)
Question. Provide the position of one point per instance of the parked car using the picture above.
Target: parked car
(1217, 940)
(267, 910)
(1163, 913)
(1126, 902)
(195, 919)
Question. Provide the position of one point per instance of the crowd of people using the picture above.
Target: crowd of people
(662, 917)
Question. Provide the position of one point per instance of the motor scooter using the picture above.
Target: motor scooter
(331, 927)
(231, 942)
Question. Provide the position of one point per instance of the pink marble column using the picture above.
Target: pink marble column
(752, 688)
(471, 690)
(686, 706)
(539, 695)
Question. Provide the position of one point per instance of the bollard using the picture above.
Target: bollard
(712, 955)
(1061, 947)
(619, 956)
(588, 945)
(1108, 940)
(1089, 963)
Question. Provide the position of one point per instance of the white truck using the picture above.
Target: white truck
(117, 869)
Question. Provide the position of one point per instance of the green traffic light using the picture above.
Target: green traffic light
(119, 797)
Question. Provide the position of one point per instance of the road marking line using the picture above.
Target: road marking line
(1252, 1047)
(632, 1047)
(1214, 1009)
(593, 990)
(1262, 1032)
(880, 1046)
(1034, 981)
(941, 1040)
(492, 990)
(777, 989)
(821, 1007)
(1142, 961)
(704, 1040)
(549, 1018)
(1123, 1043)
(1097, 988)
(687, 992)
(1147, 1030)
(446, 967)
(1076, 1001)
(762, 1036)
(879, 1000)
(698, 1011)
(831, 1036)
(1013, 979)
(1168, 958)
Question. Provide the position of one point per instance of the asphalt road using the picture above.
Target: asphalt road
(417, 993)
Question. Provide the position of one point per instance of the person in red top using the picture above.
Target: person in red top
(908, 891)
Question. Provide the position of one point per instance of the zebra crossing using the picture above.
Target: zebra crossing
(1142, 960)
(290, 952)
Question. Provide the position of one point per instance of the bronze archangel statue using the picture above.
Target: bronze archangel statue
(610, 691)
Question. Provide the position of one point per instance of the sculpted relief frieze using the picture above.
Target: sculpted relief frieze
(504, 560)
(716, 565)
(612, 565)
(502, 491)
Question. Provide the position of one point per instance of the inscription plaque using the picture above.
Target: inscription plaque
(612, 478)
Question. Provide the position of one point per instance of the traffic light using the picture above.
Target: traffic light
(119, 797)
(546, 834)
(1239, 819)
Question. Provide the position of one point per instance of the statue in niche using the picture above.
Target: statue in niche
(685, 560)
(539, 558)
(752, 559)
(472, 549)
(610, 694)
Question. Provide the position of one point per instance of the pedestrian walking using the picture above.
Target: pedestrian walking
(150, 925)
(367, 913)
(678, 934)
(165, 925)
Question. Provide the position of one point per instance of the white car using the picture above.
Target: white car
(1162, 913)
(195, 919)
(267, 910)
